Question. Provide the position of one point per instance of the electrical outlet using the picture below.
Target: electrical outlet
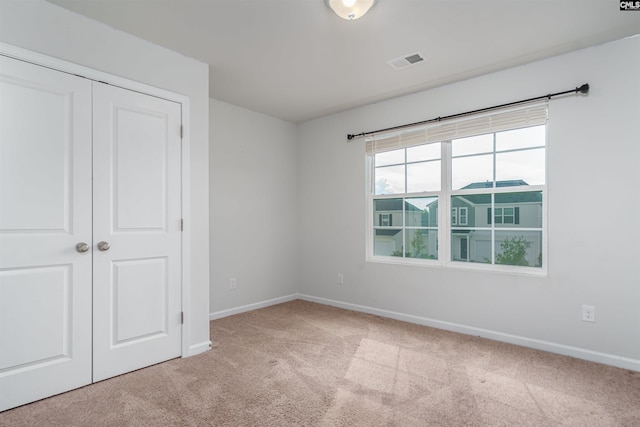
(588, 313)
(232, 283)
(340, 279)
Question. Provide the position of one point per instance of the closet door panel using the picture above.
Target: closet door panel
(137, 280)
(45, 211)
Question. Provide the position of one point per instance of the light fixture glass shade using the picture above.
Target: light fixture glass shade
(350, 9)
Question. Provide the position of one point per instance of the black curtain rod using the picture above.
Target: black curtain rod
(582, 89)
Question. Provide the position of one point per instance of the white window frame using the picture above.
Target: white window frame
(445, 217)
(461, 216)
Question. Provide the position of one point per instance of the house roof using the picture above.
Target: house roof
(489, 184)
(387, 232)
(473, 199)
(395, 205)
(502, 198)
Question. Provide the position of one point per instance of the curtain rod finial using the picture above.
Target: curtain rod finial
(583, 89)
(351, 135)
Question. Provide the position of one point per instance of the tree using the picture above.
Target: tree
(418, 245)
(514, 251)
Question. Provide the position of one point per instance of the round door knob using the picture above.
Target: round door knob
(104, 246)
(82, 247)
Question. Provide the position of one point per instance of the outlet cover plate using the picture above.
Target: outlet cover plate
(588, 313)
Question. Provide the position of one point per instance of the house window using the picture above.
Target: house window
(459, 216)
(386, 220)
(463, 216)
(505, 215)
(493, 183)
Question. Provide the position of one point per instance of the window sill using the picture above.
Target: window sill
(404, 261)
(497, 268)
(457, 265)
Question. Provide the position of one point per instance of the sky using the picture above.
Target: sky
(519, 155)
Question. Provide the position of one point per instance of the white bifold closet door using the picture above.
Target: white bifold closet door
(90, 238)
(45, 211)
(136, 211)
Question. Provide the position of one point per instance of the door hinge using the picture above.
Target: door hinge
(182, 317)
(182, 225)
(181, 131)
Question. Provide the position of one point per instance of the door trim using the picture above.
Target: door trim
(92, 74)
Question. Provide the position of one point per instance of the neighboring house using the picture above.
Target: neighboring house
(388, 213)
(513, 215)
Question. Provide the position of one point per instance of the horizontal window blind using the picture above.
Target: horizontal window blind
(445, 130)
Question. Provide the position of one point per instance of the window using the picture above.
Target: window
(504, 215)
(490, 177)
(463, 215)
(386, 220)
(459, 216)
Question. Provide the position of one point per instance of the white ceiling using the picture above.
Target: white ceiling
(296, 60)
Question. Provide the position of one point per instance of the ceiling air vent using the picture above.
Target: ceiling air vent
(406, 61)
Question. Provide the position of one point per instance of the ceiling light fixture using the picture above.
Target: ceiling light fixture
(350, 9)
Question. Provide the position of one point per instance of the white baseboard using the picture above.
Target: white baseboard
(199, 348)
(579, 353)
(249, 307)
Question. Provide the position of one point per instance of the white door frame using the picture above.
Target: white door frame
(89, 73)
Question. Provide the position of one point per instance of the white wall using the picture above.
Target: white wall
(593, 206)
(254, 207)
(48, 29)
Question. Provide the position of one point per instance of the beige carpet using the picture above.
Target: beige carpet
(305, 364)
